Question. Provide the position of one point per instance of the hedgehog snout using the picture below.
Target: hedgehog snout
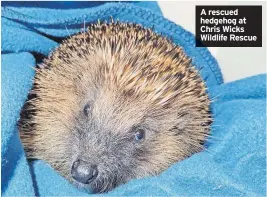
(83, 171)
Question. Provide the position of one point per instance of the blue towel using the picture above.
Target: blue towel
(232, 165)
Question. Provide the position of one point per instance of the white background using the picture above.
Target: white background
(235, 62)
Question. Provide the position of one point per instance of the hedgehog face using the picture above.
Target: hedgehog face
(111, 142)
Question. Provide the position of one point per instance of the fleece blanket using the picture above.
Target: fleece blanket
(233, 163)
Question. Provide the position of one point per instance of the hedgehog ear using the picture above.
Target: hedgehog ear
(182, 121)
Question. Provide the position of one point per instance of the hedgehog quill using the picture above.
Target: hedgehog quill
(115, 103)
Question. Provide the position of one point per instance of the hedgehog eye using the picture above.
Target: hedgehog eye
(139, 134)
(86, 109)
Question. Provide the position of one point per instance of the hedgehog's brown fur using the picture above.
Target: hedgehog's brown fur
(155, 76)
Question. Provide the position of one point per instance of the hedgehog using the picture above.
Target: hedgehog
(114, 103)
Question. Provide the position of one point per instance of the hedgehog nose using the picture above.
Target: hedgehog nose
(83, 172)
